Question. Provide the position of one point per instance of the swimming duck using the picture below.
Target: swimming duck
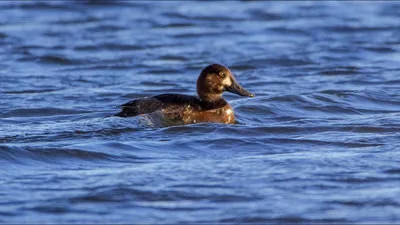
(209, 106)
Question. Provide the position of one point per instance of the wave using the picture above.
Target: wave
(36, 112)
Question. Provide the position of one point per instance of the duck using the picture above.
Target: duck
(177, 109)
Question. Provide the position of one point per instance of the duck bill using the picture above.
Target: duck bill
(239, 90)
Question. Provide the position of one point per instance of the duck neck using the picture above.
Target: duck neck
(212, 101)
(210, 97)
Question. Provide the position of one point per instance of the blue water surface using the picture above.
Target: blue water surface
(318, 143)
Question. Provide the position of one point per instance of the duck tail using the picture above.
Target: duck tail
(121, 114)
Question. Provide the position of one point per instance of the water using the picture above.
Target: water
(319, 143)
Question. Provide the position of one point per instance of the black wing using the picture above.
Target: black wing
(151, 104)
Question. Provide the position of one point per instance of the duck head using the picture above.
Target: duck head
(214, 80)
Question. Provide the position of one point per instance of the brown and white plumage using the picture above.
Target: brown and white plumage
(208, 107)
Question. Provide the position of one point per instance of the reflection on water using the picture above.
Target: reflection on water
(317, 144)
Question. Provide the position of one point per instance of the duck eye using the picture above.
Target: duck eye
(222, 74)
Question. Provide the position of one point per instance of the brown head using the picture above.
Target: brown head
(214, 80)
